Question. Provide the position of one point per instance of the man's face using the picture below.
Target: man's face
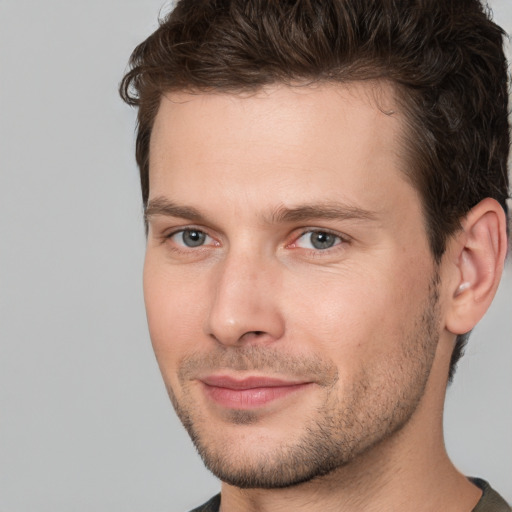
(290, 292)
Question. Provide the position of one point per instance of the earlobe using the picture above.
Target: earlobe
(481, 251)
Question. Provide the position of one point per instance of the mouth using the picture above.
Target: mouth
(248, 393)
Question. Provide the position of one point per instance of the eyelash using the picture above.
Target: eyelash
(340, 241)
(184, 247)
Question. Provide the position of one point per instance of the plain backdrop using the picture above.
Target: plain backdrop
(85, 422)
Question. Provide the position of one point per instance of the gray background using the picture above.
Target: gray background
(85, 423)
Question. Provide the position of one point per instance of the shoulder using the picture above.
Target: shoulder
(490, 501)
(210, 506)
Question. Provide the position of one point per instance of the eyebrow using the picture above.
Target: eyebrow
(282, 214)
(335, 211)
(162, 206)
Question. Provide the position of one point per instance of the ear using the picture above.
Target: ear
(478, 254)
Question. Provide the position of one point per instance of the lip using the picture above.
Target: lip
(250, 392)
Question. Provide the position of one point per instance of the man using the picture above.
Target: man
(324, 184)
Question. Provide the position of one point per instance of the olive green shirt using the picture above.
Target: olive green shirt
(490, 501)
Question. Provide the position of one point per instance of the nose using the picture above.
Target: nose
(245, 305)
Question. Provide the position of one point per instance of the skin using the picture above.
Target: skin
(361, 327)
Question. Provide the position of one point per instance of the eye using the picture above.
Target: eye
(190, 238)
(317, 240)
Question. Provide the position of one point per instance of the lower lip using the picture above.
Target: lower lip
(244, 399)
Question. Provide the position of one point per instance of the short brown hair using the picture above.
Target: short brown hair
(444, 57)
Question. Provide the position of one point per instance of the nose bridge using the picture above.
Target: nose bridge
(245, 303)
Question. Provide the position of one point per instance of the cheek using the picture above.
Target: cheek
(353, 317)
(174, 312)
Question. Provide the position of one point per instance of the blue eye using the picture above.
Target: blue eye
(190, 238)
(318, 240)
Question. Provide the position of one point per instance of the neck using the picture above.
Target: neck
(368, 485)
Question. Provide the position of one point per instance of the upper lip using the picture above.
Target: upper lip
(251, 382)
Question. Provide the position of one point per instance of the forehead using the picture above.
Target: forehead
(299, 142)
(259, 114)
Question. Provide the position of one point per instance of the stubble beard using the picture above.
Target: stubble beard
(342, 430)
